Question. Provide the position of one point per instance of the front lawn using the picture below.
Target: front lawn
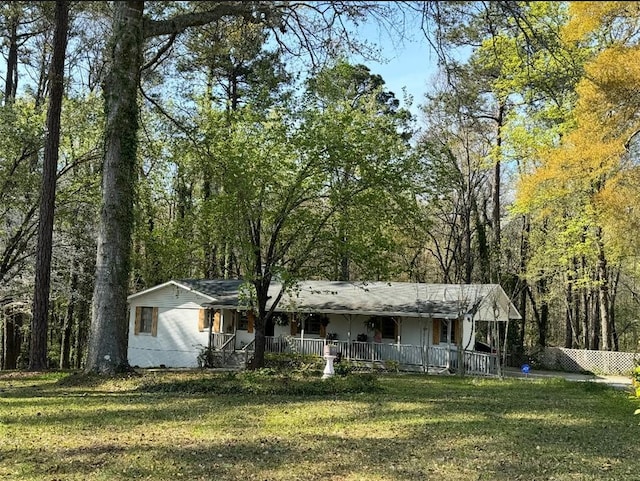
(215, 426)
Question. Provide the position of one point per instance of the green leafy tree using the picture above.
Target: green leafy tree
(131, 29)
(288, 176)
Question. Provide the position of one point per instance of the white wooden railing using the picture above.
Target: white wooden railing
(221, 341)
(405, 355)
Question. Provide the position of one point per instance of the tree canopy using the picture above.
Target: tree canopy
(245, 140)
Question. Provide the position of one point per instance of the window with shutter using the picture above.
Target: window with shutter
(243, 320)
(146, 320)
(246, 321)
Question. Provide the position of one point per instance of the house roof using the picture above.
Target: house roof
(483, 301)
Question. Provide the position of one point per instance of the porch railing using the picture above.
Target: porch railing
(405, 355)
(481, 363)
(221, 341)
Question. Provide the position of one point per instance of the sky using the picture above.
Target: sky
(408, 66)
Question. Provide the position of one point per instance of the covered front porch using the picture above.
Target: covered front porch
(381, 355)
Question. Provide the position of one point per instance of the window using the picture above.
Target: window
(388, 328)
(146, 320)
(386, 325)
(245, 320)
(312, 324)
(446, 327)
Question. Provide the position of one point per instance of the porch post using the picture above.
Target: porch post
(428, 340)
(506, 336)
(498, 348)
(349, 338)
(423, 343)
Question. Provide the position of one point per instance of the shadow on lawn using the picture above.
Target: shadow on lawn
(439, 450)
(416, 427)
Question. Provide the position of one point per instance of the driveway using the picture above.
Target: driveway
(619, 382)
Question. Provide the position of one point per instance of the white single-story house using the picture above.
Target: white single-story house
(414, 324)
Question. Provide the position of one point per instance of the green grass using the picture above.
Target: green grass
(206, 426)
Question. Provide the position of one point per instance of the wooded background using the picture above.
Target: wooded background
(257, 148)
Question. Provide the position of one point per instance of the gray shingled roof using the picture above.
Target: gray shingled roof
(225, 291)
(485, 301)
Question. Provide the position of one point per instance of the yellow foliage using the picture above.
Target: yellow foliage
(618, 209)
(587, 17)
(589, 173)
(609, 95)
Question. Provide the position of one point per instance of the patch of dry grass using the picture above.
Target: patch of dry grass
(64, 427)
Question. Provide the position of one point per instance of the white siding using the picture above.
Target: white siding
(179, 340)
(468, 334)
(412, 331)
(170, 296)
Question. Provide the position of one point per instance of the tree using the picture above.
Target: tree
(38, 351)
(280, 194)
(576, 185)
(108, 343)
(340, 90)
(25, 26)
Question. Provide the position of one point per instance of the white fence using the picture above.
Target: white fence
(580, 360)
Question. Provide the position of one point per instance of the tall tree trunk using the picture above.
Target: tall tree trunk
(80, 334)
(586, 310)
(344, 258)
(594, 316)
(12, 339)
(541, 315)
(613, 291)
(603, 294)
(11, 74)
(39, 324)
(484, 254)
(262, 292)
(65, 339)
(108, 335)
(467, 256)
(524, 255)
(568, 317)
(496, 200)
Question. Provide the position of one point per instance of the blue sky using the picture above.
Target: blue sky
(409, 65)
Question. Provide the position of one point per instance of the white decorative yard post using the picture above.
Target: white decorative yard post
(329, 357)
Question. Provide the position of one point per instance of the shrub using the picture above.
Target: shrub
(263, 382)
(292, 362)
(635, 380)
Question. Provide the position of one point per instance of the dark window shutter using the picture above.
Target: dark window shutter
(436, 331)
(136, 328)
(154, 322)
